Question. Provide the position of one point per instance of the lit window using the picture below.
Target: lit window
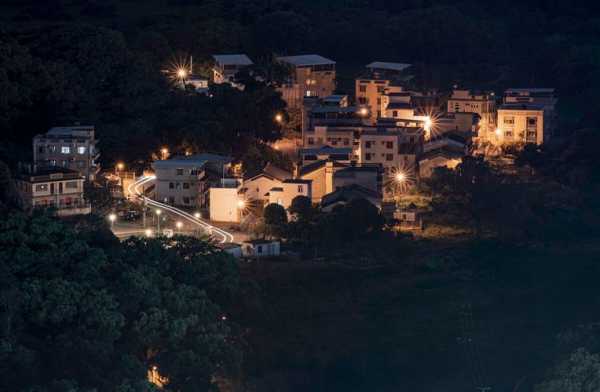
(300, 189)
(81, 150)
(41, 188)
(65, 149)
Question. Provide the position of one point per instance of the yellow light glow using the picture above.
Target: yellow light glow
(182, 73)
(120, 166)
(428, 123)
(279, 117)
(179, 225)
(112, 217)
(197, 215)
(241, 204)
(164, 150)
(363, 111)
(400, 177)
(148, 232)
(498, 132)
(158, 212)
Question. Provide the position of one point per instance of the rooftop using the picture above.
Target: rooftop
(348, 193)
(232, 59)
(49, 173)
(530, 90)
(521, 106)
(306, 59)
(399, 105)
(326, 150)
(398, 67)
(192, 160)
(311, 167)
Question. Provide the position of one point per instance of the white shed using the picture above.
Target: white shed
(260, 248)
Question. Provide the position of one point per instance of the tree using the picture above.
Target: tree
(275, 219)
(301, 208)
(578, 373)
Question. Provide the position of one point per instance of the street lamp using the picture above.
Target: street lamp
(197, 215)
(164, 153)
(241, 204)
(120, 166)
(112, 218)
(179, 225)
(363, 111)
(400, 179)
(279, 118)
(158, 212)
(148, 233)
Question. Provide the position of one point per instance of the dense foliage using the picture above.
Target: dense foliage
(77, 317)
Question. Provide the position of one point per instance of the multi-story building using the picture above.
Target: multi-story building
(68, 147)
(53, 187)
(544, 97)
(310, 75)
(520, 123)
(180, 181)
(381, 79)
(481, 103)
(288, 190)
(227, 66)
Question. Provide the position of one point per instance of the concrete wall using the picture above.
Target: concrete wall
(513, 126)
(224, 205)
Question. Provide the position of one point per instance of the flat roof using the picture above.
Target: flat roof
(306, 59)
(192, 160)
(232, 59)
(521, 106)
(532, 90)
(388, 66)
(326, 150)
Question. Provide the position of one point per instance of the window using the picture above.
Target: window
(531, 134)
(380, 89)
(65, 150)
(81, 150)
(186, 200)
(71, 185)
(368, 144)
(259, 249)
(389, 144)
(53, 162)
(378, 101)
(171, 200)
(509, 120)
(41, 188)
(508, 134)
(311, 141)
(389, 157)
(395, 113)
(362, 100)
(186, 185)
(379, 113)
(171, 185)
(531, 122)
(368, 156)
(41, 149)
(346, 142)
(300, 189)
(179, 172)
(52, 148)
(362, 88)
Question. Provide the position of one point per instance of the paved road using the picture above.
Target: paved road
(135, 189)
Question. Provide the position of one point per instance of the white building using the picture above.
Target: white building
(544, 97)
(481, 103)
(520, 123)
(225, 203)
(179, 180)
(287, 190)
(261, 248)
(68, 147)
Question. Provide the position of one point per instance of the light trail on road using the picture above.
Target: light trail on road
(134, 189)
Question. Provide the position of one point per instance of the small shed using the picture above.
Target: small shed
(260, 248)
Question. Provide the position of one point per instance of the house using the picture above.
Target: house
(200, 85)
(257, 187)
(345, 194)
(520, 123)
(390, 147)
(225, 203)
(327, 175)
(261, 248)
(227, 66)
(310, 75)
(288, 190)
(53, 187)
(480, 102)
(68, 147)
(180, 181)
(409, 218)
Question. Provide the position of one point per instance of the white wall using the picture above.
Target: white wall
(224, 205)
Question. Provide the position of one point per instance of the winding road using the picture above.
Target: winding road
(135, 189)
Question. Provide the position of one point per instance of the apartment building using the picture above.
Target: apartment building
(481, 103)
(391, 148)
(520, 123)
(544, 97)
(311, 75)
(381, 79)
(340, 154)
(53, 187)
(226, 66)
(68, 147)
(180, 181)
(225, 203)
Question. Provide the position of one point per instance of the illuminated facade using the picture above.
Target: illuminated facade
(520, 123)
(311, 75)
(481, 103)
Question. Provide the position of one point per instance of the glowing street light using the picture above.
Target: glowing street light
(279, 118)
(197, 215)
(241, 204)
(179, 225)
(498, 132)
(400, 177)
(112, 218)
(182, 73)
(148, 233)
(120, 166)
(164, 153)
(363, 111)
